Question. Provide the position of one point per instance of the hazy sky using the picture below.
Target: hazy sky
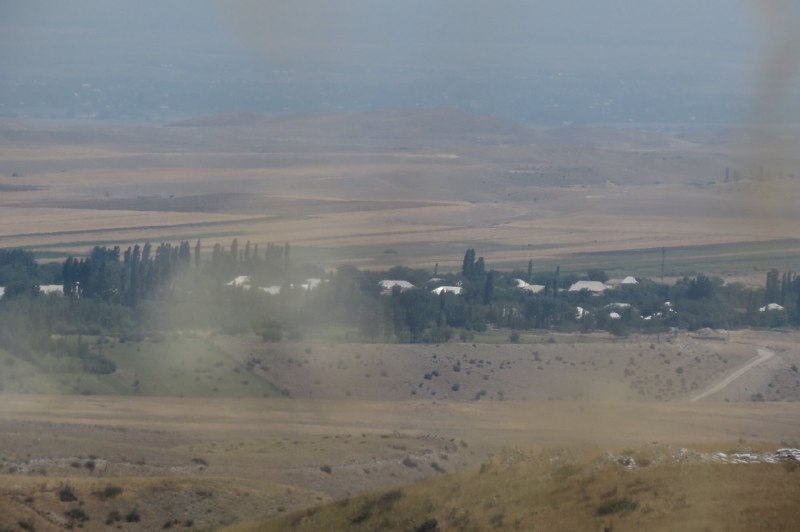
(713, 47)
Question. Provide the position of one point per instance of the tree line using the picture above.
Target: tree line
(144, 289)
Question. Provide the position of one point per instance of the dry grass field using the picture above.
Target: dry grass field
(202, 431)
(412, 187)
(555, 367)
(223, 461)
(349, 424)
(673, 489)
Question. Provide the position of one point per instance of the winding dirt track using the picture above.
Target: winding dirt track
(763, 356)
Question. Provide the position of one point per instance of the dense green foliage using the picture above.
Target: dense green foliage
(140, 291)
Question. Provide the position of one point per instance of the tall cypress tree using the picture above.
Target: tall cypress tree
(468, 266)
(488, 288)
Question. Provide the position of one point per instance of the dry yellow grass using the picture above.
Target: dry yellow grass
(226, 461)
(572, 489)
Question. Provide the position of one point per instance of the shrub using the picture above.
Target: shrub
(430, 525)
(133, 516)
(113, 517)
(408, 462)
(67, 494)
(272, 332)
(76, 514)
(617, 505)
(109, 492)
(99, 365)
(388, 499)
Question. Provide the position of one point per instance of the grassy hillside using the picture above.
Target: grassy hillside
(668, 489)
(178, 365)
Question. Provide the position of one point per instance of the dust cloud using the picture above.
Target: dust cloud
(769, 155)
(780, 22)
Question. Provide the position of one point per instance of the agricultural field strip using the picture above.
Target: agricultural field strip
(245, 220)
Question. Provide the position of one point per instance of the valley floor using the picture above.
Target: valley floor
(214, 462)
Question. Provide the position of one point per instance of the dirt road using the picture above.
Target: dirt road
(763, 356)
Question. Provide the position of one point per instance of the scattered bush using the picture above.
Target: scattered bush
(388, 499)
(67, 494)
(109, 492)
(408, 462)
(272, 332)
(76, 515)
(113, 517)
(364, 513)
(133, 516)
(430, 525)
(617, 505)
(326, 469)
(99, 365)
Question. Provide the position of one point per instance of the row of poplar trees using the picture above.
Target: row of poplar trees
(142, 273)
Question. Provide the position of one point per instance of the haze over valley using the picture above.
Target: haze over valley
(426, 266)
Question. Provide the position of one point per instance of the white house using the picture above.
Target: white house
(629, 280)
(273, 290)
(311, 284)
(243, 281)
(771, 307)
(51, 289)
(596, 287)
(388, 285)
(532, 288)
(457, 290)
